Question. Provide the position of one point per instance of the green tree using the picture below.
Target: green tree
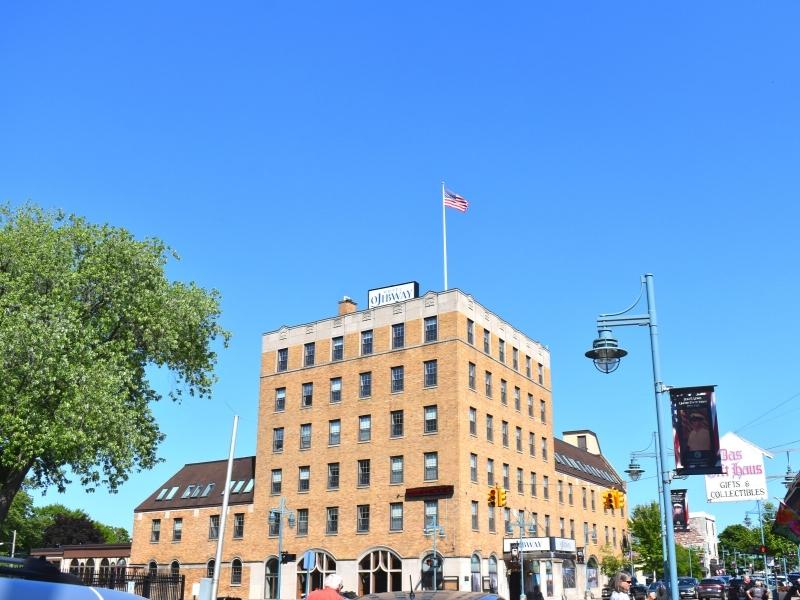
(683, 557)
(84, 311)
(610, 564)
(645, 527)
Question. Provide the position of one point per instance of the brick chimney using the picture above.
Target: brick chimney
(347, 305)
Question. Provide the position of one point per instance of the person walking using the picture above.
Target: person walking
(332, 588)
(758, 591)
(621, 587)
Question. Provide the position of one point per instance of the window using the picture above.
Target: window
(431, 329)
(607, 538)
(530, 405)
(583, 498)
(396, 469)
(155, 530)
(490, 471)
(308, 395)
(337, 348)
(280, 399)
(518, 438)
(560, 491)
(582, 442)
(283, 359)
(585, 534)
(396, 423)
(333, 476)
(364, 428)
(236, 572)
(305, 436)
(486, 341)
(534, 491)
(487, 379)
(304, 479)
(540, 372)
(238, 525)
(547, 525)
(470, 332)
(570, 498)
(277, 439)
(362, 519)
(431, 419)
(332, 520)
(542, 411)
(363, 472)
(528, 366)
(471, 376)
(473, 467)
(308, 354)
(334, 432)
(274, 525)
(398, 377)
(531, 443)
(213, 527)
(545, 486)
(501, 350)
(506, 477)
(431, 513)
(210, 568)
(515, 359)
(473, 421)
(431, 466)
(489, 428)
(302, 521)
(474, 515)
(336, 390)
(535, 523)
(396, 516)
(398, 335)
(516, 399)
(174, 568)
(591, 494)
(365, 385)
(562, 527)
(429, 367)
(177, 529)
(504, 432)
(366, 342)
(490, 513)
(277, 478)
(506, 519)
(520, 482)
(544, 448)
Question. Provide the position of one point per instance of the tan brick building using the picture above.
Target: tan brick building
(376, 424)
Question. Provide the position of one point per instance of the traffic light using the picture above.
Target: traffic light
(617, 499)
(501, 496)
(762, 549)
(287, 557)
(608, 500)
(492, 497)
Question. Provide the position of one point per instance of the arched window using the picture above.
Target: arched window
(210, 569)
(74, 566)
(475, 573)
(104, 568)
(121, 565)
(323, 565)
(236, 572)
(380, 571)
(152, 568)
(175, 568)
(271, 579)
(568, 574)
(493, 574)
(89, 572)
(432, 572)
(591, 573)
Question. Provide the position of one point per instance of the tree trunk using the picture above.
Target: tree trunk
(10, 482)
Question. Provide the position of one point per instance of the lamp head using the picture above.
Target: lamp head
(747, 520)
(605, 352)
(634, 470)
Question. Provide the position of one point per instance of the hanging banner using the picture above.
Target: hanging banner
(743, 476)
(680, 510)
(787, 523)
(694, 431)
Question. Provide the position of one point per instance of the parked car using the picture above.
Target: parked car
(687, 587)
(713, 587)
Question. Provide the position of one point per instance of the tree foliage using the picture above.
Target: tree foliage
(645, 528)
(84, 310)
(68, 529)
(610, 564)
(742, 540)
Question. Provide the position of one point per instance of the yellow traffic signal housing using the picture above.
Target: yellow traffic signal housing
(608, 500)
(492, 498)
(501, 497)
(619, 498)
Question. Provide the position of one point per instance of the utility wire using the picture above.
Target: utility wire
(764, 414)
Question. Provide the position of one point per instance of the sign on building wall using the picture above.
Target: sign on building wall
(695, 432)
(743, 477)
(393, 293)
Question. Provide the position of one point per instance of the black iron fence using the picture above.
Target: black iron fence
(157, 586)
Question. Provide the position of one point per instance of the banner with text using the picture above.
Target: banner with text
(694, 431)
(680, 510)
(743, 476)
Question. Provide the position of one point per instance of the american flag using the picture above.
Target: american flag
(456, 201)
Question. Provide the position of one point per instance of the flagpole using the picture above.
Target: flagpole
(444, 240)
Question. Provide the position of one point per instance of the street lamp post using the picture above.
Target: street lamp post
(276, 519)
(434, 531)
(606, 354)
(531, 527)
(763, 548)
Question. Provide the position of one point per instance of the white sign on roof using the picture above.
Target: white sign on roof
(743, 477)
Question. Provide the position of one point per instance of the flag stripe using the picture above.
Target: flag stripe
(453, 200)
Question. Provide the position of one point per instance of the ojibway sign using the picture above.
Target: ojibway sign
(743, 476)
(393, 293)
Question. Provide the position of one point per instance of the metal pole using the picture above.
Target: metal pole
(689, 548)
(662, 509)
(665, 475)
(521, 524)
(763, 546)
(224, 515)
(14, 544)
(279, 517)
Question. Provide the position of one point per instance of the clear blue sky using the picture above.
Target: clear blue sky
(292, 153)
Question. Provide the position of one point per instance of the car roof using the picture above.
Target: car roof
(46, 590)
